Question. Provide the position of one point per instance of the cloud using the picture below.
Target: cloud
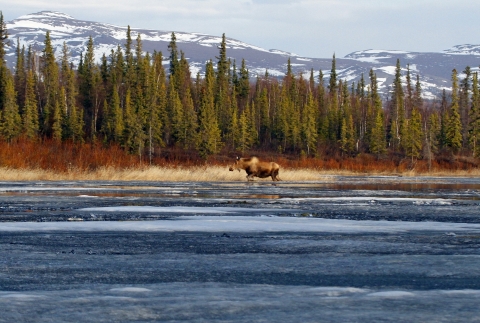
(314, 28)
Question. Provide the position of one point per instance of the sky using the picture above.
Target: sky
(311, 28)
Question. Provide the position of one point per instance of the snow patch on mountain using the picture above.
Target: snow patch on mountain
(466, 49)
(434, 69)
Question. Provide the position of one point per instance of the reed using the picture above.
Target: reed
(195, 174)
(50, 160)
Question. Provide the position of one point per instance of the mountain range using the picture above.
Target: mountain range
(433, 68)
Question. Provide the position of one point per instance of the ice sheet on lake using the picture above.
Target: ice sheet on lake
(242, 224)
(214, 302)
(372, 199)
(177, 209)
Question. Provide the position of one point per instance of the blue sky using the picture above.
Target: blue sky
(312, 28)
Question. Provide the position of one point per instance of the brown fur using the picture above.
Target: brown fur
(256, 168)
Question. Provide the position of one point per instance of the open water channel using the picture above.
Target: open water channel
(343, 249)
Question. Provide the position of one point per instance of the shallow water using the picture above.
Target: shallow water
(346, 249)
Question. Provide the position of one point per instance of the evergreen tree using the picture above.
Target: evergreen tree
(133, 135)
(177, 114)
(409, 94)
(190, 125)
(233, 129)
(172, 47)
(347, 131)
(333, 102)
(464, 102)
(20, 74)
(74, 125)
(347, 137)
(377, 138)
(417, 98)
(397, 116)
(113, 127)
(3, 65)
(129, 68)
(474, 118)
(309, 123)
(209, 132)
(50, 81)
(376, 129)
(10, 121)
(322, 120)
(222, 99)
(414, 135)
(244, 84)
(453, 134)
(30, 113)
(156, 98)
(263, 106)
(90, 90)
(58, 116)
(433, 137)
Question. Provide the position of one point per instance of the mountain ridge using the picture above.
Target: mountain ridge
(434, 68)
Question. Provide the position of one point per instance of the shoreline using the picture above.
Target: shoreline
(202, 174)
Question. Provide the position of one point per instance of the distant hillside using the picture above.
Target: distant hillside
(434, 68)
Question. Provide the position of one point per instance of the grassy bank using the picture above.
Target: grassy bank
(194, 174)
(50, 161)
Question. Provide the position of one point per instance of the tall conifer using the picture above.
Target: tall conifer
(453, 122)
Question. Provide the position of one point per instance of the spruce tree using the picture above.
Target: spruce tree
(30, 113)
(322, 120)
(3, 65)
(233, 128)
(376, 132)
(263, 106)
(20, 75)
(222, 98)
(10, 121)
(51, 85)
(333, 109)
(377, 137)
(397, 116)
(190, 125)
(464, 102)
(453, 134)
(474, 118)
(347, 131)
(133, 135)
(244, 84)
(433, 137)
(209, 134)
(58, 116)
(172, 47)
(414, 135)
(177, 114)
(309, 125)
(244, 141)
(283, 121)
(90, 90)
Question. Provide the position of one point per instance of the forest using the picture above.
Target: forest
(147, 108)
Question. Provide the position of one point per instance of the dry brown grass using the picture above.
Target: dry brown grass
(196, 174)
(153, 173)
(49, 160)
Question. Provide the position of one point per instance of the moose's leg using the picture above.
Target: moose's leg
(275, 175)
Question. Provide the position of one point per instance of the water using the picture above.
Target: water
(347, 249)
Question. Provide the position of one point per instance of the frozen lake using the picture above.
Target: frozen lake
(344, 249)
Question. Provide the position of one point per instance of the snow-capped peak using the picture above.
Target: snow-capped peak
(466, 49)
(46, 14)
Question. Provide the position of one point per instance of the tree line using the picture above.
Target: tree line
(130, 99)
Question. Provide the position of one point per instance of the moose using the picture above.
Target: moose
(256, 168)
